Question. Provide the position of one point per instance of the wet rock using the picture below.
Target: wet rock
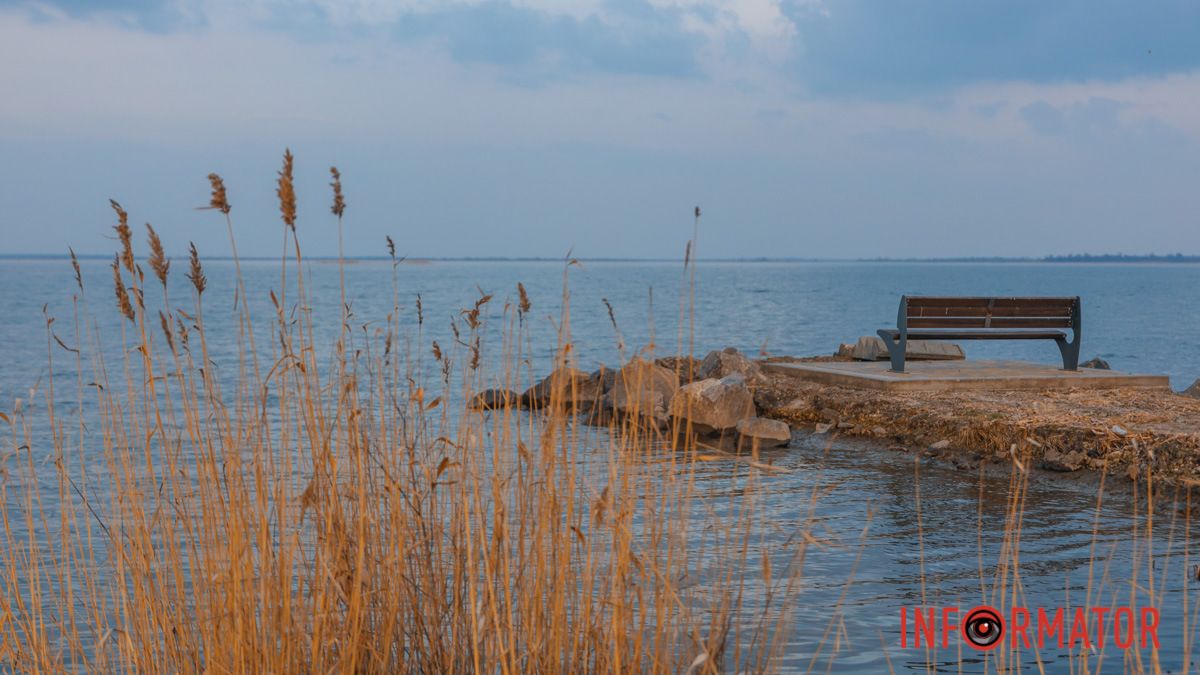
(845, 425)
(727, 362)
(493, 399)
(870, 348)
(763, 432)
(1056, 460)
(822, 428)
(1193, 391)
(713, 405)
(642, 388)
(574, 388)
(1097, 363)
(940, 445)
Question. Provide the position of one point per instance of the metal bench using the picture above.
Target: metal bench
(951, 318)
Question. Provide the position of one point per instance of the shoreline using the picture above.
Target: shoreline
(1127, 433)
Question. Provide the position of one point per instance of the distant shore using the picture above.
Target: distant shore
(1118, 258)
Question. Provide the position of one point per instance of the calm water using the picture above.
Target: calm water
(1139, 318)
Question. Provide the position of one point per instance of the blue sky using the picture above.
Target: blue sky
(804, 128)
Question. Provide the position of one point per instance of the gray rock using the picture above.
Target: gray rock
(1097, 363)
(763, 432)
(642, 388)
(870, 348)
(713, 405)
(727, 362)
(493, 399)
(1193, 391)
(1056, 460)
(574, 388)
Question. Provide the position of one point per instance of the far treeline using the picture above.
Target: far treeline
(1069, 258)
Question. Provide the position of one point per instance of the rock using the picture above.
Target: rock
(940, 445)
(493, 399)
(575, 387)
(879, 431)
(1097, 363)
(1056, 460)
(727, 362)
(1193, 391)
(683, 366)
(822, 428)
(845, 425)
(763, 432)
(1119, 430)
(641, 388)
(871, 348)
(713, 405)
(845, 350)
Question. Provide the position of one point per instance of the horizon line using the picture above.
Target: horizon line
(1057, 258)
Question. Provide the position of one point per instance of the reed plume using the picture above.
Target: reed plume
(158, 260)
(339, 202)
(524, 305)
(196, 272)
(287, 192)
(123, 302)
(219, 200)
(75, 266)
(125, 234)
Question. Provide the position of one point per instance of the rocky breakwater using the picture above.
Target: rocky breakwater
(712, 400)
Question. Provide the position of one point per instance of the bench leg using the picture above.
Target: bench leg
(896, 350)
(1070, 353)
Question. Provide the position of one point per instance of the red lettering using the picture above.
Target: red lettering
(923, 627)
(1020, 626)
(1099, 612)
(1150, 625)
(947, 627)
(1047, 629)
(1079, 629)
(1124, 641)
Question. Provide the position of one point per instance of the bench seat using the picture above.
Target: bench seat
(977, 334)
(976, 318)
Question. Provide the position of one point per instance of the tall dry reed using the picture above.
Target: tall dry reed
(354, 514)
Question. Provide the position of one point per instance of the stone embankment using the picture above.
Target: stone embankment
(728, 400)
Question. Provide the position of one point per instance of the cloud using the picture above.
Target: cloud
(881, 49)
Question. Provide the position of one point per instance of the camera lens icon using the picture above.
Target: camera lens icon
(983, 628)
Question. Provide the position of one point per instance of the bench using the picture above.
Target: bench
(962, 318)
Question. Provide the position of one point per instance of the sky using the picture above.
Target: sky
(802, 128)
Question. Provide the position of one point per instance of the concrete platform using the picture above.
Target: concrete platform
(961, 375)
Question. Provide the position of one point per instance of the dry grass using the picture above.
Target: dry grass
(351, 515)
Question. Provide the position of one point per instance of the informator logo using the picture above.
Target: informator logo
(985, 628)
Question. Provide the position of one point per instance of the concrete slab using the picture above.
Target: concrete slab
(961, 375)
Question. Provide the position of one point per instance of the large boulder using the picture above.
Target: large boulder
(729, 361)
(763, 433)
(574, 388)
(870, 348)
(493, 399)
(642, 388)
(712, 405)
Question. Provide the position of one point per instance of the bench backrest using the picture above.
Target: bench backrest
(984, 313)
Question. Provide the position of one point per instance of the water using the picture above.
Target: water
(1137, 317)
